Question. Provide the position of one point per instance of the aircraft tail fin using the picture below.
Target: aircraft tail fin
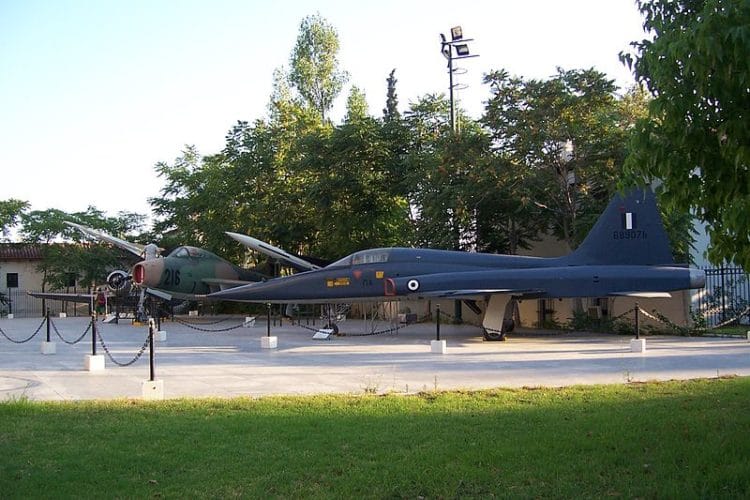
(629, 232)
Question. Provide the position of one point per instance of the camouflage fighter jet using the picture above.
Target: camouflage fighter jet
(186, 273)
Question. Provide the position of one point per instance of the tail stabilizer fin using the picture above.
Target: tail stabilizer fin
(629, 231)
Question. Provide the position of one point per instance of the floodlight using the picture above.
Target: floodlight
(462, 50)
(457, 33)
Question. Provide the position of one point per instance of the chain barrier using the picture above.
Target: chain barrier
(486, 329)
(620, 316)
(203, 323)
(25, 340)
(657, 316)
(732, 320)
(379, 332)
(683, 330)
(54, 327)
(447, 315)
(119, 363)
(190, 325)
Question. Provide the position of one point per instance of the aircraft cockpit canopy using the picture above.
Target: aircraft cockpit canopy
(188, 252)
(375, 256)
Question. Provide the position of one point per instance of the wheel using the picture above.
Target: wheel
(508, 326)
(494, 335)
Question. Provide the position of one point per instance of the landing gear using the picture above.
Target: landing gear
(494, 335)
(498, 318)
(334, 327)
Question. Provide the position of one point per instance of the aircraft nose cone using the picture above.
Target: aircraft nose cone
(697, 278)
(147, 273)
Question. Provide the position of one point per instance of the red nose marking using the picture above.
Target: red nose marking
(139, 274)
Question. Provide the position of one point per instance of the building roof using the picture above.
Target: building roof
(20, 251)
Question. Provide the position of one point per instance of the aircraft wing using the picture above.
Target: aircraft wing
(133, 248)
(272, 251)
(159, 294)
(222, 284)
(643, 295)
(83, 298)
(477, 293)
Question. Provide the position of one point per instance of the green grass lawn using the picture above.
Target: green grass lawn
(657, 440)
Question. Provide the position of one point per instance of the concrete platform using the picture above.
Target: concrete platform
(195, 363)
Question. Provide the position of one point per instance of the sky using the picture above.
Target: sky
(93, 93)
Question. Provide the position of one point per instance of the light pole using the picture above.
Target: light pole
(456, 48)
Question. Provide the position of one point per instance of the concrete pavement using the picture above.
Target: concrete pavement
(228, 360)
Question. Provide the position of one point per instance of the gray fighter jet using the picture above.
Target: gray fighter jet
(627, 253)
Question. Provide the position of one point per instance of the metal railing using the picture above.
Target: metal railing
(725, 298)
(20, 304)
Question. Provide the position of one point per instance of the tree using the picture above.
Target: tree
(695, 138)
(314, 65)
(10, 213)
(565, 139)
(89, 263)
(356, 105)
(441, 166)
(173, 207)
(350, 186)
(390, 112)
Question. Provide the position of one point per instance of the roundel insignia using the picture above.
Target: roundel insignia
(412, 285)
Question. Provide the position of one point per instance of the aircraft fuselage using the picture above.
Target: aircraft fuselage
(187, 272)
(397, 273)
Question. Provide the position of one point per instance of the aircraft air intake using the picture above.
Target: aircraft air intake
(138, 274)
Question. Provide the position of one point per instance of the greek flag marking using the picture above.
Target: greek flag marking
(628, 220)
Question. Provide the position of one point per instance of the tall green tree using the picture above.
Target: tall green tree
(198, 202)
(391, 112)
(441, 165)
(565, 137)
(356, 200)
(182, 180)
(356, 105)
(315, 72)
(695, 139)
(10, 213)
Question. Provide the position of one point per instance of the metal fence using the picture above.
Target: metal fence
(725, 298)
(22, 305)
